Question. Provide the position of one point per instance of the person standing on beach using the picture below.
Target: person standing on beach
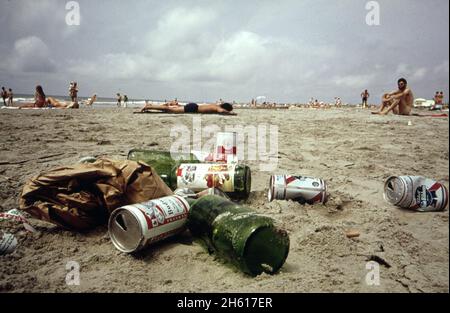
(119, 100)
(125, 101)
(4, 95)
(73, 91)
(10, 97)
(365, 96)
(400, 101)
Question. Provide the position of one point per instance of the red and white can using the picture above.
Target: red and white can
(297, 188)
(226, 147)
(133, 227)
(416, 193)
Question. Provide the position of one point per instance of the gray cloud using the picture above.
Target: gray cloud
(287, 51)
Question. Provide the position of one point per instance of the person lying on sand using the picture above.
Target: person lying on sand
(39, 99)
(54, 103)
(400, 102)
(224, 108)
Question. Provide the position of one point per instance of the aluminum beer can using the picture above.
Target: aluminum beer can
(133, 227)
(416, 193)
(297, 188)
(226, 147)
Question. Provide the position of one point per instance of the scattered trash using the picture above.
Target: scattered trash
(248, 240)
(164, 163)
(134, 227)
(226, 148)
(297, 188)
(88, 159)
(416, 193)
(8, 243)
(233, 179)
(17, 216)
(379, 260)
(188, 193)
(352, 233)
(409, 123)
(82, 196)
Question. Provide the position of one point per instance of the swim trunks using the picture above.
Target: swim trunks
(191, 108)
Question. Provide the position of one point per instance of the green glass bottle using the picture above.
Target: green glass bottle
(164, 163)
(248, 240)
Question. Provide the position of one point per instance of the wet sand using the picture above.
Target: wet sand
(349, 148)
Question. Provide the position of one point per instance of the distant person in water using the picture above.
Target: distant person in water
(400, 101)
(4, 95)
(10, 97)
(224, 108)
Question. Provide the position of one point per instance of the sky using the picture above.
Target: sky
(287, 51)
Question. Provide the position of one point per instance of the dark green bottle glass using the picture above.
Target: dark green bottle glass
(248, 240)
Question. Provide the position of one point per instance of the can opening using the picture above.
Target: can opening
(120, 222)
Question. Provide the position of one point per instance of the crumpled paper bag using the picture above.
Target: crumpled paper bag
(82, 196)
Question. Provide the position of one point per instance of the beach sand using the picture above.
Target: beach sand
(349, 148)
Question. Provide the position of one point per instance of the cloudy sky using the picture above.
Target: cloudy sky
(285, 50)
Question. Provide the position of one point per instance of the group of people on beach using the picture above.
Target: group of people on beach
(42, 101)
(121, 99)
(399, 102)
(7, 96)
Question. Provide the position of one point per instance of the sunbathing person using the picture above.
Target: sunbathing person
(39, 99)
(54, 103)
(400, 102)
(224, 108)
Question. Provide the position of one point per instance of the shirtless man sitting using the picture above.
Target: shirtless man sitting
(400, 102)
(224, 108)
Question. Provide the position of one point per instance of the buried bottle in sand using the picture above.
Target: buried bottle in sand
(297, 188)
(250, 241)
(416, 193)
(134, 227)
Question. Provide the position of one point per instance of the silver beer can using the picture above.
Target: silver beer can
(297, 188)
(416, 193)
(133, 227)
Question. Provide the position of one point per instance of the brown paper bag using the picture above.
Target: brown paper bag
(82, 196)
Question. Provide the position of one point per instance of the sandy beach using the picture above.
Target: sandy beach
(352, 150)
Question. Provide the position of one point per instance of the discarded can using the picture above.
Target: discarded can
(134, 227)
(226, 149)
(233, 179)
(8, 243)
(297, 188)
(416, 193)
(250, 241)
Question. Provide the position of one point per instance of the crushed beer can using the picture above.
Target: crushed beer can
(301, 189)
(416, 193)
(133, 227)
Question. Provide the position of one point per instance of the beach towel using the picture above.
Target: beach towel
(82, 196)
